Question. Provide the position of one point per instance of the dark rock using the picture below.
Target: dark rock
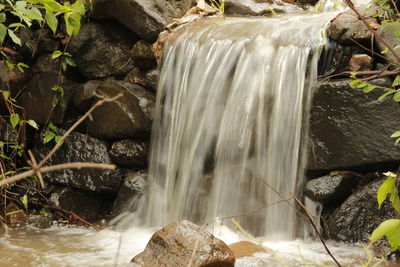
(15, 213)
(30, 44)
(147, 79)
(102, 49)
(143, 56)
(129, 116)
(39, 221)
(174, 246)
(87, 206)
(358, 215)
(147, 18)
(331, 188)
(46, 63)
(347, 26)
(83, 97)
(132, 190)
(13, 79)
(256, 7)
(38, 96)
(351, 129)
(130, 154)
(389, 33)
(101, 9)
(7, 133)
(82, 148)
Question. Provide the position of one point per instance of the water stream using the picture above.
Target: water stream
(230, 124)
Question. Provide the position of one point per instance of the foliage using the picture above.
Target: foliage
(219, 6)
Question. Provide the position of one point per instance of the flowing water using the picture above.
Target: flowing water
(231, 122)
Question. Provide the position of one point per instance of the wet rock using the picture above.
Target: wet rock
(347, 26)
(85, 205)
(14, 214)
(39, 221)
(82, 148)
(102, 50)
(130, 154)
(38, 96)
(83, 97)
(129, 116)
(147, 18)
(360, 62)
(389, 33)
(147, 79)
(256, 7)
(351, 129)
(174, 245)
(358, 215)
(331, 188)
(13, 79)
(38, 41)
(45, 63)
(245, 249)
(101, 9)
(143, 56)
(131, 192)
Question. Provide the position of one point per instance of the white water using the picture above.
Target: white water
(232, 106)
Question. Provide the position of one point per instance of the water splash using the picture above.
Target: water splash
(231, 110)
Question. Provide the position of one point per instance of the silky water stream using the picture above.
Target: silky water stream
(230, 124)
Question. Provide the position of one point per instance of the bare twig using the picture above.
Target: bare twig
(36, 168)
(72, 165)
(316, 230)
(382, 40)
(381, 74)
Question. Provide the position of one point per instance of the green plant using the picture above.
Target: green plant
(51, 133)
(219, 6)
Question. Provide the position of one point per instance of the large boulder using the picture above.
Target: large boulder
(37, 98)
(347, 26)
(102, 49)
(82, 148)
(256, 7)
(130, 154)
(147, 18)
(358, 215)
(182, 243)
(351, 129)
(331, 188)
(129, 116)
(131, 192)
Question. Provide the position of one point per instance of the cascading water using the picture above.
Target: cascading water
(231, 121)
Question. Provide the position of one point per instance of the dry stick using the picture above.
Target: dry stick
(73, 127)
(35, 168)
(382, 40)
(366, 73)
(317, 231)
(72, 165)
(306, 213)
(369, 50)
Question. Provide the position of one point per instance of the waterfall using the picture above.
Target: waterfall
(231, 122)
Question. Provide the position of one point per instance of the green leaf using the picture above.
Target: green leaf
(396, 96)
(13, 212)
(368, 88)
(51, 20)
(16, 25)
(45, 209)
(48, 136)
(6, 94)
(21, 66)
(396, 81)
(395, 134)
(389, 228)
(53, 127)
(14, 119)
(54, 101)
(34, 14)
(353, 84)
(10, 65)
(70, 61)
(389, 186)
(14, 38)
(57, 138)
(56, 54)
(24, 201)
(389, 92)
(3, 32)
(3, 17)
(33, 124)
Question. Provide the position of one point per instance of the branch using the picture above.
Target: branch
(72, 165)
(382, 40)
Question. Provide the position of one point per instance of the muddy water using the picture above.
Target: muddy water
(71, 246)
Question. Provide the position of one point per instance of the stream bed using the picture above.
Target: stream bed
(74, 246)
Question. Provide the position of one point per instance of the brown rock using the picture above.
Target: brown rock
(245, 249)
(359, 62)
(174, 245)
